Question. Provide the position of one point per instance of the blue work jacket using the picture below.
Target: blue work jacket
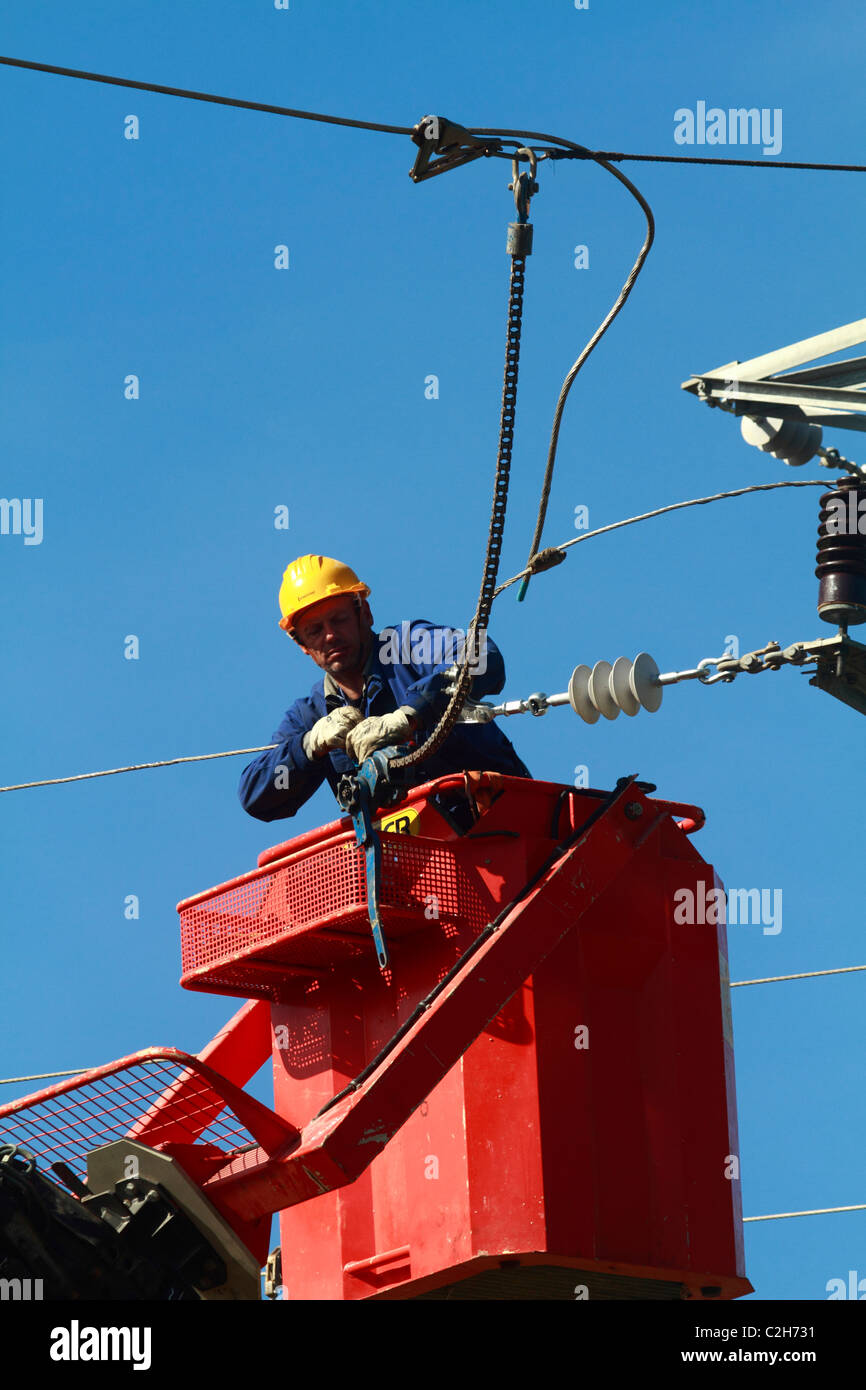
(278, 782)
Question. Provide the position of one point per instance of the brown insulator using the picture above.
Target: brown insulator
(841, 557)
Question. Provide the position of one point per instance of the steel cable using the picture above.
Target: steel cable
(557, 550)
(205, 96)
(594, 340)
(522, 136)
(589, 535)
(137, 767)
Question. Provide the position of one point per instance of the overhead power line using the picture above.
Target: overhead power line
(741, 163)
(136, 767)
(613, 156)
(818, 1211)
(768, 980)
(804, 975)
(771, 979)
(772, 1216)
(206, 96)
(660, 511)
(578, 153)
(600, 531)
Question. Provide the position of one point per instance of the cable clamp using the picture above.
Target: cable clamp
(453, 143)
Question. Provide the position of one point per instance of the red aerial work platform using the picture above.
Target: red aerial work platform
(535, 1099)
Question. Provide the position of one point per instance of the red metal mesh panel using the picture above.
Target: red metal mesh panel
(240, 982)
(68, 1121)
(415, 871)
(232, 921)
(313, 912)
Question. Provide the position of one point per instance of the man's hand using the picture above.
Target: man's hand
(330, 731)
(378, 731)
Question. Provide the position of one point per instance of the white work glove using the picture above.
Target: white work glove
(378, 731)
(330, 731)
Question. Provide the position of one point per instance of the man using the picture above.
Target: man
(377, 690)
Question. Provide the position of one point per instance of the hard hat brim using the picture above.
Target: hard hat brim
(289, 622)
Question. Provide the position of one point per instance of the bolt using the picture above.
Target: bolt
(633, 810)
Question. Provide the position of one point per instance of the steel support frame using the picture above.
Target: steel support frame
(808, 393)
(842, 407)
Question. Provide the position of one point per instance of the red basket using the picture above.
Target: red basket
(310, 911)
(304, 909)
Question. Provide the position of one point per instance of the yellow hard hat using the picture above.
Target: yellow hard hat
(311, 578)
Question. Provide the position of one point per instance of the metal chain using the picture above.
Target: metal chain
(479, 623)
(768, 658)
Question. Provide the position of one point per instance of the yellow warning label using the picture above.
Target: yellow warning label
(401, 822)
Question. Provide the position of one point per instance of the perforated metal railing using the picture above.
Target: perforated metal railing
(311, 909)
(154, 1096)
(253, 910)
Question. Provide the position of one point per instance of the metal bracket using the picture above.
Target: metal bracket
(833, 395)
(274, 1274)
(840, 666)
(841, 669)
(454, 145)
(106, 1177)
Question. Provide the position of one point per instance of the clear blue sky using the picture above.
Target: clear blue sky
(305, 388)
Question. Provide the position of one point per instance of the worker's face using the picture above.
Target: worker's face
(336, 635)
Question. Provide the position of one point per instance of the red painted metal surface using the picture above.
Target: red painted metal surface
(542, 1080)
(305, 907)
(608, 1157)
(532, 1147)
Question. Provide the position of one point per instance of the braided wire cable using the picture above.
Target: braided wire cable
(556, 141)
(590, 346)
(554, 554)
(189, 95)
